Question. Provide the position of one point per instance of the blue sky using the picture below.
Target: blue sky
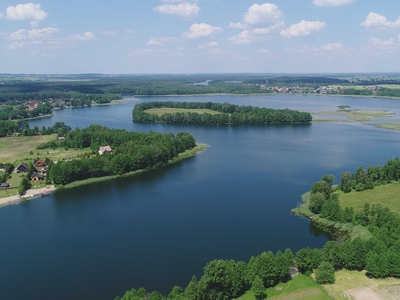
(200, 36)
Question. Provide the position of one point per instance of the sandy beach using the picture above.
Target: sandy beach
(32, 193)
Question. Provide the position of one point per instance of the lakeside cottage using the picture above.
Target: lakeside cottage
(36, 177)
(4, 186)
(23, 167)
(40, 163)
(104, 149)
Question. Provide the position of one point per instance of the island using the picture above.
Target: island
(209, 113)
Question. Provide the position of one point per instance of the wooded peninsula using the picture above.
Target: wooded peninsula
(209, 113)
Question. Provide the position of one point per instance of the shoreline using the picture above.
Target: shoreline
(29, 194)
(34, 193)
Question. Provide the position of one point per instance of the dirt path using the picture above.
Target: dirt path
(31, 193)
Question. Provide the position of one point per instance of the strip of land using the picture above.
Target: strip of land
(32, 193)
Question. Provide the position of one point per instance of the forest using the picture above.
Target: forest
(228, 114)
(379, 255)
(130, 151)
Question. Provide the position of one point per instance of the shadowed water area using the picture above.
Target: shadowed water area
(158, 228)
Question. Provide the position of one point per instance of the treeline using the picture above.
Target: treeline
(373, 176)
(18, 112)
(131, 151)
(228, 114)
(58, 95)
(8, 128)
(379, 255)
(227, 279)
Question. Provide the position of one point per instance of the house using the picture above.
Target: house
(43, 171)
(37, 177)
(23, 167)
(4, 185)
(104, 149)
(39, 163)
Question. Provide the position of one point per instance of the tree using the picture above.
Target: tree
(329, 178)
(325, 273)
(24, 185)
(317, 200)
(345, 182)
(258, 288)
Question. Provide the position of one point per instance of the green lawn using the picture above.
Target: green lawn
(388, 195)
(168, 110)
(301, 287)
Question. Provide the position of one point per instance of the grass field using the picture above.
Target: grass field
(354, 283)
(17, 148)
(356, 115)
(167, 110)
(388, 195)
(390, 126)
(301, 287)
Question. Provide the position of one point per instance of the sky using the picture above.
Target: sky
(199, 36)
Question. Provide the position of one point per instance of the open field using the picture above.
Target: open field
(388, 195)
(17, 148)
(301, 287)
(355, 115)
(390, 126)
(355, 285)
(168, 110)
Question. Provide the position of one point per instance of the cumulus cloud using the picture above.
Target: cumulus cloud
(87, 36)
(212, 44)
(185, 9)
(330, 48)
(390, 44)
(379, 22)
(302, 29)
(332, 2)
(159, 41)
(256, 35)
(16, 45)
(266, 13)
(28, 11)
(202, 30)
(34, 34)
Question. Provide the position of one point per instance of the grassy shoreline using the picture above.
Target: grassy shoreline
(337, 230)
(187, 154)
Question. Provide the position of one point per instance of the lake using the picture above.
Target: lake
(159, 228)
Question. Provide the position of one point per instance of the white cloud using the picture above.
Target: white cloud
(34, 34)
(331, 48)
(187, 10)
(202, 30)
(212, 44)
(266, 13)
(87, 36)
(28, 11)
(304, 28)
(159, 41)
(332, 2)
(377, 21)
(264, 51)
(390, 44)
(256, 35)
(16, 45)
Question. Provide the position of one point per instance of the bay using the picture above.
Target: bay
(159, 228)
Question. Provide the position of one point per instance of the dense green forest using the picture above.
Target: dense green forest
(379, 255)
(229, 114)
(131, 151)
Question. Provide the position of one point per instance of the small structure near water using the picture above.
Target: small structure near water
(104, 149)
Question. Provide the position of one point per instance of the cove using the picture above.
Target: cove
(159, 228)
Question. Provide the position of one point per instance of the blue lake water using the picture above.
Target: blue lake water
(159, 228)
